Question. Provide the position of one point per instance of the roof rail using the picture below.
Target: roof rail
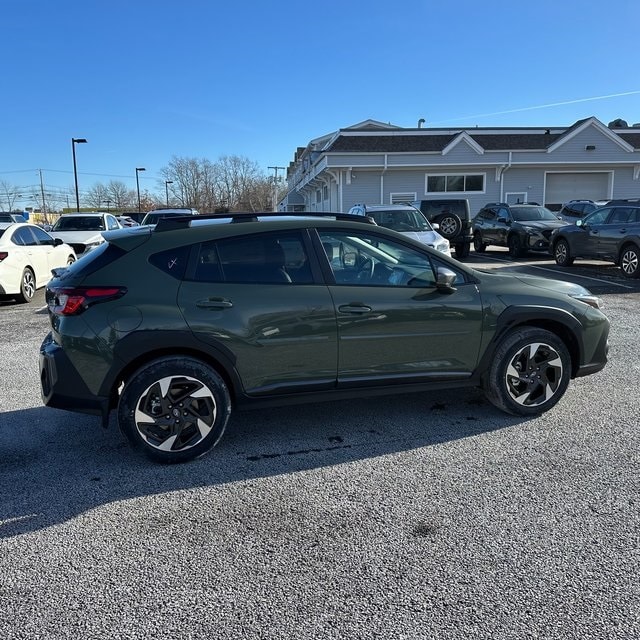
(169, 223)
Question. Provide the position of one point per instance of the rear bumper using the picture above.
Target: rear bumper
(61, 387)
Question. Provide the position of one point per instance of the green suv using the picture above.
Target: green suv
(175, 325)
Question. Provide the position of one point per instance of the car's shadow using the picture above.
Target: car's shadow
(55, 465)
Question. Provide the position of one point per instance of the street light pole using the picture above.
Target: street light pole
(74, 142)
(166, 189)
(138, 170)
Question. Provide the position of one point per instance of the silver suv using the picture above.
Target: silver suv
(407, 220)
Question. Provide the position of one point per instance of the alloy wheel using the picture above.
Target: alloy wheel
(629, 262)
(534, 374)
(175, 413)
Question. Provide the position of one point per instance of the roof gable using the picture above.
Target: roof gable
(583, 125)
(463, 138)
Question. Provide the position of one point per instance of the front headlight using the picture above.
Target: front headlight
(588, 298)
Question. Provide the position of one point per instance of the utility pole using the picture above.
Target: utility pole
(274, 202)
(44, 206)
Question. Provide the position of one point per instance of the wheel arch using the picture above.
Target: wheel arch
(139, 352)
(557, 321)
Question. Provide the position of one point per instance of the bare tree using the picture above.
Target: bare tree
(121, 197)
(97, 196)
(9, 194)
(233, 182)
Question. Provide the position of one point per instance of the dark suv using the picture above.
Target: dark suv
(174, 325)
(453, 218)
(611, 233)
(521, 227)
(575, 209)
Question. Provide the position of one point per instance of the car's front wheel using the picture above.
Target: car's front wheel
(562, 254)
(630, 261)
(515, 246)
(478, 245)
(27, 286)
(529, 373)
(174, 409)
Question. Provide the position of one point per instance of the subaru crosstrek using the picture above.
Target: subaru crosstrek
(173, 326)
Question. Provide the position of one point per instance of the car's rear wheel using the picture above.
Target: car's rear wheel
(174, 409)
(515, 246)
(70, 260)
(562, 254)
(462, 250)
(478, 245)
(450, 225)
(27, 286)
(529, 373)
(630, 261)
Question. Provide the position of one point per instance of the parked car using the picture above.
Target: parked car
(575, 209)
(83, 231)
(521, 227)
(405, 219)
(611, 233)
(453, 217)
(126, 221)
(175, 325)
(153, 216)
(8, 216)
(27, 256)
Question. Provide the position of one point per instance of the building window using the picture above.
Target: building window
(318, 196)
(325, 192)
(458, 183)
(401, 198)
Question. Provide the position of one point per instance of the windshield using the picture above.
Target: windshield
(522, 214)
(401, 220)
(79, 223)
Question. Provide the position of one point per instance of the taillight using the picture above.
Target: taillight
(72, 301)
(3, 255)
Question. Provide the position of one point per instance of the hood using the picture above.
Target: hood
(543, 224)
(78, 237)
(430, 238)
(548, 284)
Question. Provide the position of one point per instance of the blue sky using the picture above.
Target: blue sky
(146, 80)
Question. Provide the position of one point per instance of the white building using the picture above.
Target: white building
(373, 162)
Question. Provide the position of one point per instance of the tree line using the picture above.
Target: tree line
(232, 183)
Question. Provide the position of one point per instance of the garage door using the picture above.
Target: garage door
(562, 187)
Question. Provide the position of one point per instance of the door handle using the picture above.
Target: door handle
(354, 308)
(214, 303)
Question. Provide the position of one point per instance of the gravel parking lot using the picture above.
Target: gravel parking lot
(418, 516)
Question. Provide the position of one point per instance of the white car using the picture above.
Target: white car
(27, 256)
(407, 220)
(83, 231)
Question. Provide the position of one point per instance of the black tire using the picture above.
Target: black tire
(530, 372)
(450, 225)
(630, 261)
(462, 250)
(27, 286)
(478, 245)
(515, 246)
(174, 409)
(562, 254)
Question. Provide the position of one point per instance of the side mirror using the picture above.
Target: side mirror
(445, 280)
(57, 241)
(504, 219)
(435, 226)
(580, 223)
